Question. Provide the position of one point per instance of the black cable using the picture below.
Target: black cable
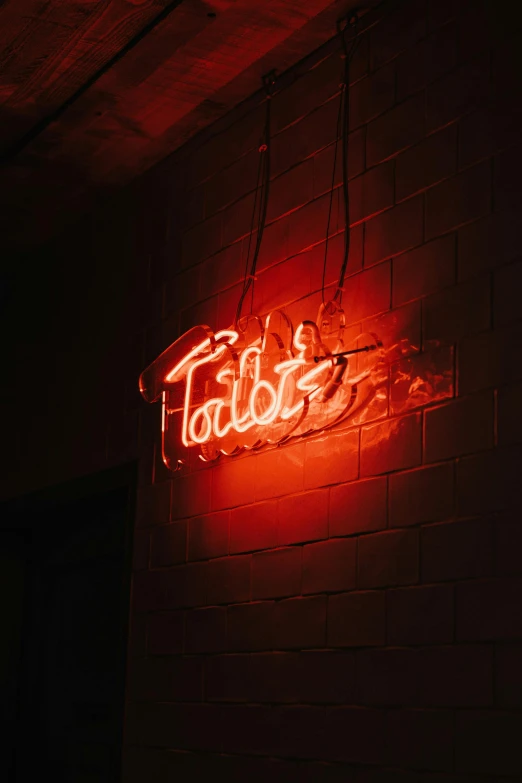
(264, 150)
(348, 55)
(259, 171)
(265, 189)
(337, 137)
(332, 356)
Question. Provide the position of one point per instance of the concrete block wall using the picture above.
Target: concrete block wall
(348, 607)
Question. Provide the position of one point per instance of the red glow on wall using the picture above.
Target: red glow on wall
(258, 384)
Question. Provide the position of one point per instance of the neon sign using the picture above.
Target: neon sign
(258, 384)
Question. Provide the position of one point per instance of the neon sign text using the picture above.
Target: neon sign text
(259, 384)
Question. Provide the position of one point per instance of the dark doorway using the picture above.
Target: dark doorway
(65, 560)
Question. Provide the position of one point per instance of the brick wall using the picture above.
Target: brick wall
(355, 616)
(303, 617)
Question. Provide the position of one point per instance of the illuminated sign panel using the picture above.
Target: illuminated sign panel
(260, 383)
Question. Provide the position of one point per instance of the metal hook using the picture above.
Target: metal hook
(269, 79)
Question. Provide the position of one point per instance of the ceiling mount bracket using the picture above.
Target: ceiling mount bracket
(269, 79)
(349, 21)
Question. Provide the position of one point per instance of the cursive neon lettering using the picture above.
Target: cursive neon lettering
(230, 385)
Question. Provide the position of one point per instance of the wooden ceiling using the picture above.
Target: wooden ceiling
(94, 92)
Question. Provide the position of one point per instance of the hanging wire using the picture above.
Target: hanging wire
(348, 55)
(337, 137)
(263, 174)
(246, 277)
(344, 117)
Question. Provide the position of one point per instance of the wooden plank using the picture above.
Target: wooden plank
(191, 70)
(55, 65)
